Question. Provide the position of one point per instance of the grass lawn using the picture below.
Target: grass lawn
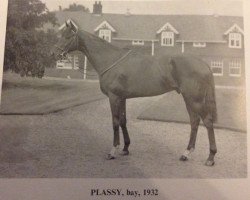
(231, 106)
(42, 96)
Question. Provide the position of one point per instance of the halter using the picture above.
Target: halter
(115, 63)
(75, 38)
(66, 50)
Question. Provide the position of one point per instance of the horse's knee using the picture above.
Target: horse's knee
(123, 122)
(208, 122)
(116, 128)
(115, 124)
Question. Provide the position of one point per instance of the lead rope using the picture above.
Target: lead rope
(115, 63)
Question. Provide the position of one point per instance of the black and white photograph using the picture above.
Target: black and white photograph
(134, 95)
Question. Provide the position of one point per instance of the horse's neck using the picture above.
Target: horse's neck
(99, 53)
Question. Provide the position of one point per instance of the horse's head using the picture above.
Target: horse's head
(68, 41)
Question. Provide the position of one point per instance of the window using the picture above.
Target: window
(167, 38)
(138, 42)
(199, 44)
(65, 63)
(217, 68)
(59, 64)
(105, 34)
(235, 40)
(76, 62)
(69, 57)
(235, 68)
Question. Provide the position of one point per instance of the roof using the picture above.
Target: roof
(233, 28)
(145, 27)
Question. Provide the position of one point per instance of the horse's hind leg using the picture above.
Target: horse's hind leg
(194, 121)
(123, 124)
(208, 122)
(115, 105)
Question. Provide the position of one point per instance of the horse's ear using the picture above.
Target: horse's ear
(67, 23)
(73, 27)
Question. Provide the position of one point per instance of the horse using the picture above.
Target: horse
(125, 73)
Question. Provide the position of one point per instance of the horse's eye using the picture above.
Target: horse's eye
(67, 36)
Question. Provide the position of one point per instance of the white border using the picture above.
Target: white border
(3, 17)
(171, 189)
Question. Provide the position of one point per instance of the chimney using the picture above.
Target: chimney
(97, 8)
(60, 8)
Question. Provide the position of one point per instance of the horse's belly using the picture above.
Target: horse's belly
(147, 88)
(139, 84)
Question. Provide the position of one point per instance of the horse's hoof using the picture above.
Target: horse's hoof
(110, 157)
(124, 153)
(209, 163)
(183, 158)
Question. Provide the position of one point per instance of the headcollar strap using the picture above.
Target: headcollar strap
(115, 63)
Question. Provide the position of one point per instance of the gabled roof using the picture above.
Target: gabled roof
(105, 24)
(167, 26)
(234, 28)
(145, 27)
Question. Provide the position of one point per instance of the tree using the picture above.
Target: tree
(76, 7)
(27, 44)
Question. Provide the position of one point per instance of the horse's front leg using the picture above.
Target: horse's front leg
(123, 124)
(115, 104)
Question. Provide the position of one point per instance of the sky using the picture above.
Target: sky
(207, 7)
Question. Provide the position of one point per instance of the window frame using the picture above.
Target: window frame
(199, 44)
(138, 42)
(103, 33)
(235, 37)
(65, 63)
(217, 64)
(76, 62)
(165, 37)
(235, 64)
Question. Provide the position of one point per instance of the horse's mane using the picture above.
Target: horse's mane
(96, 38)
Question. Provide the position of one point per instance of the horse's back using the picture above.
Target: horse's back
(191, 66)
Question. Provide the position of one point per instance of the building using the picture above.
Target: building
(218, 40)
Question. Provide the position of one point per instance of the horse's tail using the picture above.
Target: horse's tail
(210, 101)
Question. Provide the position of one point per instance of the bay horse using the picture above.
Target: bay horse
(127, 74)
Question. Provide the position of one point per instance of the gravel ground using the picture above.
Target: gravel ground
(73, 143)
